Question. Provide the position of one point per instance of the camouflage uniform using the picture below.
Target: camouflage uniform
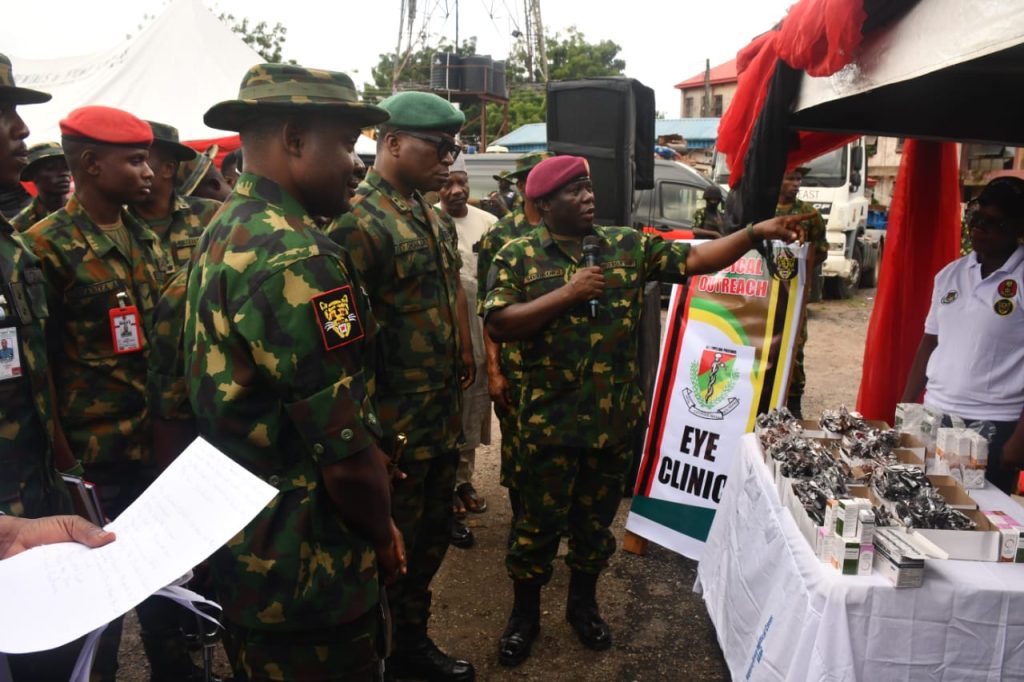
(189, 216)
(165, 384)
(410, 262)
(714, 223)
(580, 399)
(512, 226)
(278, 341)
(30, 485)
(101, 395)
(815, 228)
(29, 216)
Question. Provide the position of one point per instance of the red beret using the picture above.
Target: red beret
(106, 125)
(555, 173)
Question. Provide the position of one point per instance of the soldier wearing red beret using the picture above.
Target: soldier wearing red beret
(579, 399)
(104, 270)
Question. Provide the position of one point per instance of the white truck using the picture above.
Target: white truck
(835, 186)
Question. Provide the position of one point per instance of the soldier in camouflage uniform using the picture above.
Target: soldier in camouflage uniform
(32, 446)
(104, 270)
(177, 220)
(410, 262)
(580, 398)
(200, 177)
(48, 171)
(707, 220)
(279, 346)
(503, 359)
(814, 227)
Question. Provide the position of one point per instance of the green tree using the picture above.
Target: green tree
(266, 39)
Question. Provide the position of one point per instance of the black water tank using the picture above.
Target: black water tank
(498, 87)
(476, 73)
(446, 71)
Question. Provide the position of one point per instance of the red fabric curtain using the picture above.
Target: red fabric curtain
(817, 36)
(226, 145)
(923, 236)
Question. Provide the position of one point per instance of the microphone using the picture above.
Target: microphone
(591, 247)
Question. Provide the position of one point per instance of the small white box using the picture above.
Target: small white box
(845, 555)
(866, 560)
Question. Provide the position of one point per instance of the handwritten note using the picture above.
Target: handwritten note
(61, 592)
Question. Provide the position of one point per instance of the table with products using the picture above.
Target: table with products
(782, 614)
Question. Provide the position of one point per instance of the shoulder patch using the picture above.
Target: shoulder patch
(337, 317)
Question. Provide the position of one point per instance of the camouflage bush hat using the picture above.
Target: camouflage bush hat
(40, 152)
(191, 173)
(166, 137)
(422, 111)
(526, 163)
(281, 88)
(11, 93)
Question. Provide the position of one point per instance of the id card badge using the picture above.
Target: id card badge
(125, 332)
(10, 356)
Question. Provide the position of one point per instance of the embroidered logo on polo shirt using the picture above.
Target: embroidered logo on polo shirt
(950, 296)
(1008, 288)
(1003, 306)
(337, 317)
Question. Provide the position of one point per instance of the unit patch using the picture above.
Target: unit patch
(950, 296)
(1003, 306)
(1008, 288)
(337, 317)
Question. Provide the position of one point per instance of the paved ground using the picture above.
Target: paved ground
(661, 627)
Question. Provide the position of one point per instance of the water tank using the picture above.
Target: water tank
(498, 87)
(476, 73)
(446, 71)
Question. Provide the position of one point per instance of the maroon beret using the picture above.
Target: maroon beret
(106, 125)
(555, 173)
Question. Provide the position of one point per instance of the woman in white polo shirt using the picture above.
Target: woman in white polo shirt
(970, 362)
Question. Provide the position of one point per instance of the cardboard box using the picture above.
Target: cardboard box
(952, 492)
(1011, 533)
(897, 558)
(866, 560)
(812, 429)
(981, 544)
(845, 555)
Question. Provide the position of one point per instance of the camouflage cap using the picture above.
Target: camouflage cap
(191, 173)
(166, 137)
(502, 176)
(11, 93)
(526, 163)
(40, 152)
(280, 88)
(422, 111)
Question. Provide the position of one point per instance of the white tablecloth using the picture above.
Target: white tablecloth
(781, 614)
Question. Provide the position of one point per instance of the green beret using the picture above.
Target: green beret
(40, 152)
(422, 111)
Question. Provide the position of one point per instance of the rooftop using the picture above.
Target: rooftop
(723, 73)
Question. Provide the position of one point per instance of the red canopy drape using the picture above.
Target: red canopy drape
(923, 235)
(226, 145)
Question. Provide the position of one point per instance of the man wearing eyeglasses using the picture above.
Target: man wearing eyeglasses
(409, 261)
(970, 357)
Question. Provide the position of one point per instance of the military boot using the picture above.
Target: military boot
(523, 625)
(793, 404)
(417, 657)
(168, 658)
(582, 613)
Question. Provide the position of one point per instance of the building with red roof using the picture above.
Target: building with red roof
(723, 85)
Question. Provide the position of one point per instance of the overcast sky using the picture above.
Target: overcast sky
(662, 42)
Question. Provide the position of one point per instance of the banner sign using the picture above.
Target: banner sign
(726, 356)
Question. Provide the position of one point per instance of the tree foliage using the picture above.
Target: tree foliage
(569, 57)
(266, 39)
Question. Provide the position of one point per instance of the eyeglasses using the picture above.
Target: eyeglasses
(445, 145)
(980, 221)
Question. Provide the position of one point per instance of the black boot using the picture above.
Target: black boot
(417, 657)
(168, 658)
(794, 407)
(523, 625)
(582, 613)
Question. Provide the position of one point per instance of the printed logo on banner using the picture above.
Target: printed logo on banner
(785, 264)
(950, 296)
(1008, 288)
(759, 649)
(711, 382)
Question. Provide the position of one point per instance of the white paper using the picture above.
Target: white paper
(61, 592)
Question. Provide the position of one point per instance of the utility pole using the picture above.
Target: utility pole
(538, 35)
(398, 50)
(528, 42)
(456, 26)
(705, 108)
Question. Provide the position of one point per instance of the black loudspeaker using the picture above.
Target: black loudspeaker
(610, 122)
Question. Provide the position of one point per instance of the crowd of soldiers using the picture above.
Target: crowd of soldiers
(316, 330)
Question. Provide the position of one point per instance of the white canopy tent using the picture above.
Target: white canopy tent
(172, 72)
